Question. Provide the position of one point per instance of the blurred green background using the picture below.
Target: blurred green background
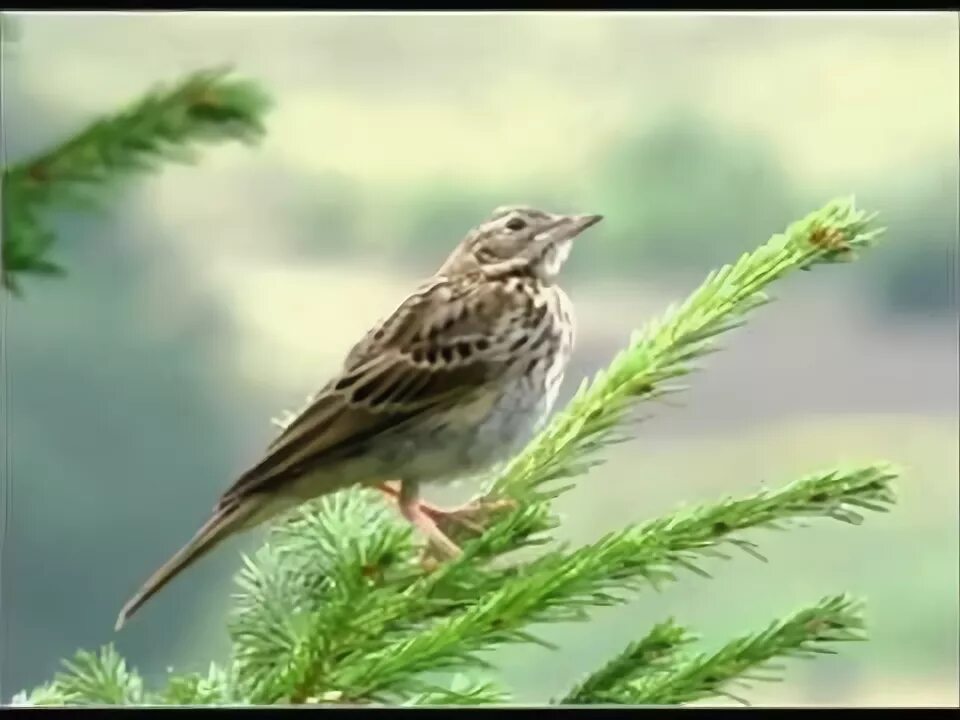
(211, 298)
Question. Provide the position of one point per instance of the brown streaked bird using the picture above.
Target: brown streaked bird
(455, 380)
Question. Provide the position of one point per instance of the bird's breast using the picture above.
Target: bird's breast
(500, 424)
(475, 436)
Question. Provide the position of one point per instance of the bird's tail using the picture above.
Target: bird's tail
(224, 522)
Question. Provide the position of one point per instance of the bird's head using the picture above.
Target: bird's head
(519, 239)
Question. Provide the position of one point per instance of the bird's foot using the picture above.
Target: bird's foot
(468, 519)
(439, 523)
(472, 516)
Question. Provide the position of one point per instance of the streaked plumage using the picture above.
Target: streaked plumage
(456, 379)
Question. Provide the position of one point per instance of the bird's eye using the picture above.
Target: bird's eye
(516, 224)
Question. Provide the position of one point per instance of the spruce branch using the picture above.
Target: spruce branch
(310, 587)
(167, 124)
(104, 679)
(335, 609)
(400, 603)
(561, 585)
(89, 679)
(806, 633)
(214, 688)
(462, 691)
(666, 348)
(653, 653)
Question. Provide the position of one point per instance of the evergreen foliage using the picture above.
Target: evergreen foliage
(167, 124)
(338, 608)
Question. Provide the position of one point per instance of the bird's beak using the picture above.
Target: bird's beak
(579, 223)
(565, 227)
(569, 226)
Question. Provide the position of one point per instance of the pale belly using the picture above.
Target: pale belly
(453, 451)
(463, 443)
(475, 439)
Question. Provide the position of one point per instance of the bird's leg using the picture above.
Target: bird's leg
(412, 509)
(390, 489)
(469, 515)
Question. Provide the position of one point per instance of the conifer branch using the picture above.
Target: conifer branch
(653, 653)
(334, 608)
(559, 587)
(462, 692)
(666, 348)
(167, 124)
(89, 679)
(804, 634)
(214, 688)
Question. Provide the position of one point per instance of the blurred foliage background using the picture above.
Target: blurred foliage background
(211, 298)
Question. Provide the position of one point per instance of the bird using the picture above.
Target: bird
(458, 378)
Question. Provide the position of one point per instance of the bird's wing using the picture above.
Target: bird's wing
(448, 340)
